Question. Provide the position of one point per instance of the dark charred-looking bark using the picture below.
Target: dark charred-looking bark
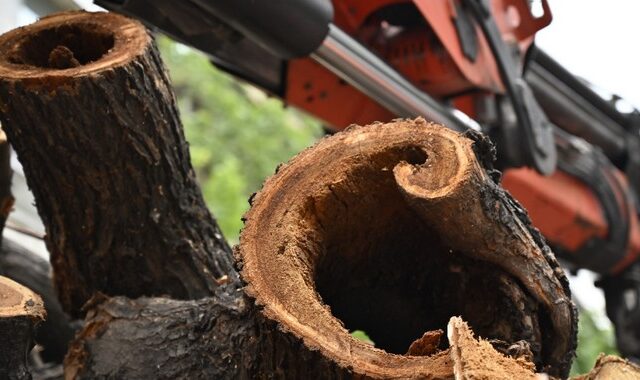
(339, 239)
(88, 107)
(25, 267)
(392, 228)
(400, 224)
(20, 311)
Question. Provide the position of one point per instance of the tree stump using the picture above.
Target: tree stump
(20, 311)
(90, 112)
(391, 229)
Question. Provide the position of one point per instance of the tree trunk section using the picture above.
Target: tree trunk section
(392, 229)
(611, 368)
(89, 110)
(25, 267)
(20, 311)
(333, 243)
(353, 233)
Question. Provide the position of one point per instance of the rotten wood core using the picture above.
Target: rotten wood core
(21, 310)
(89, 110)
(391, 228)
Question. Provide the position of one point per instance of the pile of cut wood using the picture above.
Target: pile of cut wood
(397, 229)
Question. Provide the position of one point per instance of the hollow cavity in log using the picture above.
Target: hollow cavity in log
(88, 107)
(394, 228)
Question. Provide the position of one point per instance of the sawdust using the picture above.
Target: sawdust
(476, 359)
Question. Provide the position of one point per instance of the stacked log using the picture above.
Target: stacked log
(391, 228)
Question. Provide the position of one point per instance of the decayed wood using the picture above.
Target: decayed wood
(475, 359)
(6, 198)
(379, 224)
(105, 155)
(469, 210)
(345, 236)
(20, 311)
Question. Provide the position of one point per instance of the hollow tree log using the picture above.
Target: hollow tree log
(393, 228)
(345, 236)
(88, 107)
(611, 368)
(21, 310)
(333, 243)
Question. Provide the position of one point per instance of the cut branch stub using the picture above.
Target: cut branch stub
(393, 229)
(88, 107)
(20, 311)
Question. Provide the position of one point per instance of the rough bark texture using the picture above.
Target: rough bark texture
(345, 236)
(104, 152)
(20, 311)
(221, 338)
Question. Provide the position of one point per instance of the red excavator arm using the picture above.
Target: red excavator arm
(433, 53)
(567, 154)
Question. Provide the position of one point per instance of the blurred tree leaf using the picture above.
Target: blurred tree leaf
(237, 134)
(361, 335)
(592, 340)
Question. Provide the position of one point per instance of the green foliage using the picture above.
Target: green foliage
(592, 340)
(237, 135)
(361, 335)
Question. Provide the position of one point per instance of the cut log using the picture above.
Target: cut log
(104, 153)
(353, 233)
(609, 367)
(20, 311)
(26, 268)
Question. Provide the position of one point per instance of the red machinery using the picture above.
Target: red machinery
(567, 154)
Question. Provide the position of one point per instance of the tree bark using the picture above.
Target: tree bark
(20, 311)
(353, 233)
(333, 242)
(23, 266)
(103, 148)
